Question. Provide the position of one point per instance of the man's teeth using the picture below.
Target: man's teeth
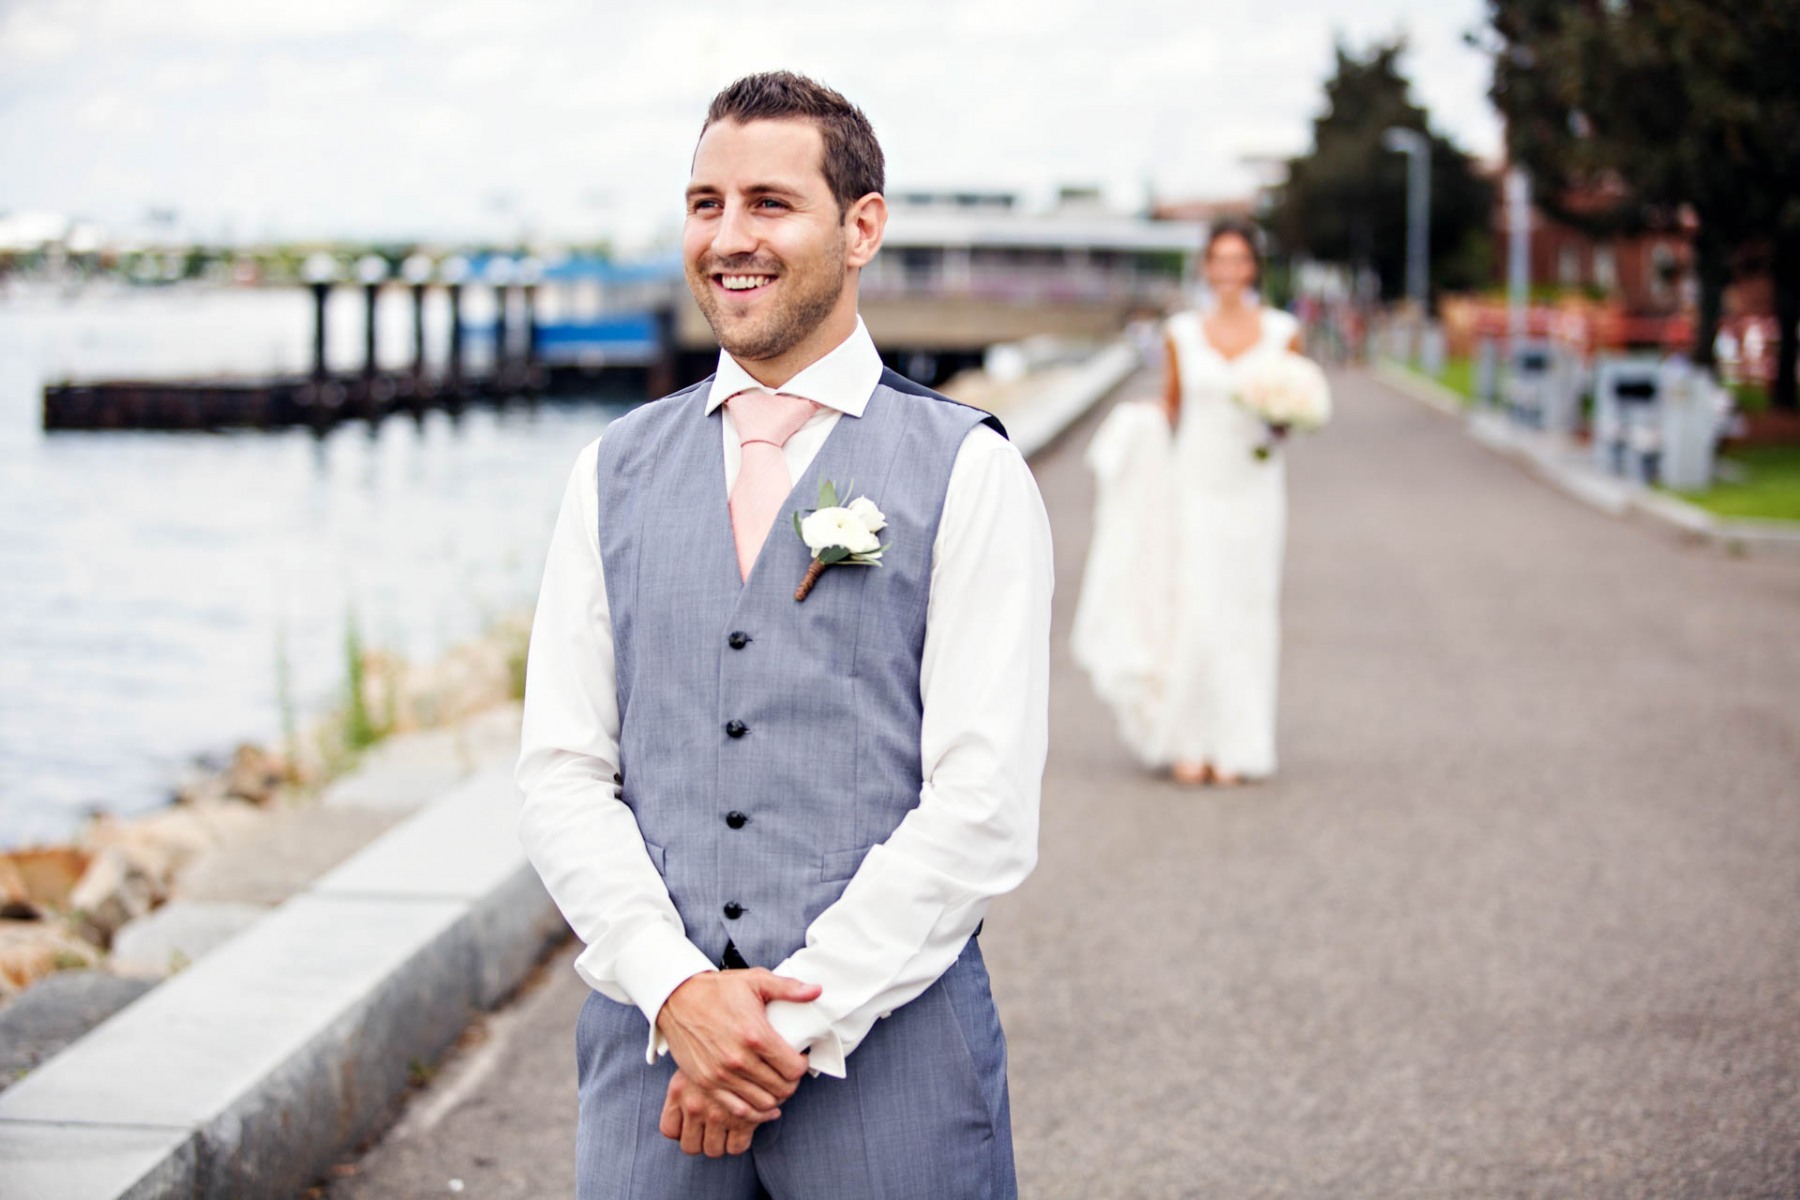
(739, 283)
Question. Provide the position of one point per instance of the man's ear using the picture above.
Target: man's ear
(864, 226)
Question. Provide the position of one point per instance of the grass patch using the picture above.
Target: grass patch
(1770, 489)
(361, 727)
(1750, 397)
(1459, 377)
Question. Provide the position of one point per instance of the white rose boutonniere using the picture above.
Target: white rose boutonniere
(839, 533)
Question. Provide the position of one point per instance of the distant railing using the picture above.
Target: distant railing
(1021, 284)
(1746, 345)
(1746, 349)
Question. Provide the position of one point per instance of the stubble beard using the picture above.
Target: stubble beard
(780, 330)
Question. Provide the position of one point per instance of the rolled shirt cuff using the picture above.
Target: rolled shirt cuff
(808, 1031)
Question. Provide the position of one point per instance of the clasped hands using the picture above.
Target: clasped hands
(733, 1069)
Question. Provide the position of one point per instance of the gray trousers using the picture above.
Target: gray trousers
(922, 1115)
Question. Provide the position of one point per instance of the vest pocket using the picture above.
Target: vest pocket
(841, 864)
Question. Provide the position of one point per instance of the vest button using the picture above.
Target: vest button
(736, 820)
(736, 729)
(738, 639)
(733, 911)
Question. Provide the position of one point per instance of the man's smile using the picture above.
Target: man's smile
(743, 283)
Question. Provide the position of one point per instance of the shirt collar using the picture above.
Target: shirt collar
(841, 380)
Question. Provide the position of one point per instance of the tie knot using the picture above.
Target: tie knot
(770, 417)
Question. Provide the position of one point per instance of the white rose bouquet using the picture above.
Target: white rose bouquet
(1285, 391)
(839, 533)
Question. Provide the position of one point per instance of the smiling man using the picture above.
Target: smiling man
(777, 824)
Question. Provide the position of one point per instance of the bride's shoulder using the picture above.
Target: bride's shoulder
(1279, 325)
(1183, 324)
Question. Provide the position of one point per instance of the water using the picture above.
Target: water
(148, 581)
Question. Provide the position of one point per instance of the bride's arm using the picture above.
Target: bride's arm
(1171, 383)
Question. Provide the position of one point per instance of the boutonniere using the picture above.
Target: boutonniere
(839, 534)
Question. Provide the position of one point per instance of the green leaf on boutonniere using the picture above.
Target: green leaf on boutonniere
(827, 494)
(833, 554)
(797, 528)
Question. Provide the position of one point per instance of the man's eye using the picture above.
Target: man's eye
(702, 205)
(770, 202)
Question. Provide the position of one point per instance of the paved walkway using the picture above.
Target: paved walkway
(1520, 916)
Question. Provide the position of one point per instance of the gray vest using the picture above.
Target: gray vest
(765, 743)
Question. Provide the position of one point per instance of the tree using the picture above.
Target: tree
(1345, 200)
(1691, 103)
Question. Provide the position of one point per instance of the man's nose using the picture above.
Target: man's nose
(735, 232)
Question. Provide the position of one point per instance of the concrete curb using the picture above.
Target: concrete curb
(1426, 391)
(1569, 470)
(1050, 413)
(252, 1071)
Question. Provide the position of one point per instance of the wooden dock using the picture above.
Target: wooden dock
(279, 402)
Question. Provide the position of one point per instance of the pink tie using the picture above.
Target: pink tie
(764, 424)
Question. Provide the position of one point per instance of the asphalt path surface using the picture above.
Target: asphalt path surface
(1520, 915)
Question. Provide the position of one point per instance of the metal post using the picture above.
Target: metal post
(1417, 148)
(1418, 225)
(1518, 255)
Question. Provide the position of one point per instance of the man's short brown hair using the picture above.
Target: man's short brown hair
(853, 163)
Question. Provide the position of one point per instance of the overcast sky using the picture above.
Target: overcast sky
(473, 118)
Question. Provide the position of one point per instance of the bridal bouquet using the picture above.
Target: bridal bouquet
(1284, 391)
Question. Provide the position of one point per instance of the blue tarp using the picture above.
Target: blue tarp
(585, 269)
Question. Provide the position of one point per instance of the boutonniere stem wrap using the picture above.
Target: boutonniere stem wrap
(839, 533)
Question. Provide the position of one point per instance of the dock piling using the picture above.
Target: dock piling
(372, 272)
(417, 270)
(501, 272)
(320, 271)
(531, 274)
(454, 271)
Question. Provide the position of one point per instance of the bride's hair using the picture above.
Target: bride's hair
(1228, 226)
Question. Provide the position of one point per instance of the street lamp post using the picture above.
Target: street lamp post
(1518, 254)
(1417, 148)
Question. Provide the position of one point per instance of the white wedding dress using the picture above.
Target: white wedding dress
(1178, 624)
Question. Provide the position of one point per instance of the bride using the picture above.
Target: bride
(1178, 621)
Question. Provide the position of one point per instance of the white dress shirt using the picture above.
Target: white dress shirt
(984, 680)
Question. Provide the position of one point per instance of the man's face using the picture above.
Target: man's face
(764, 245)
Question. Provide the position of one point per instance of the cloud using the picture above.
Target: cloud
(35, 33)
